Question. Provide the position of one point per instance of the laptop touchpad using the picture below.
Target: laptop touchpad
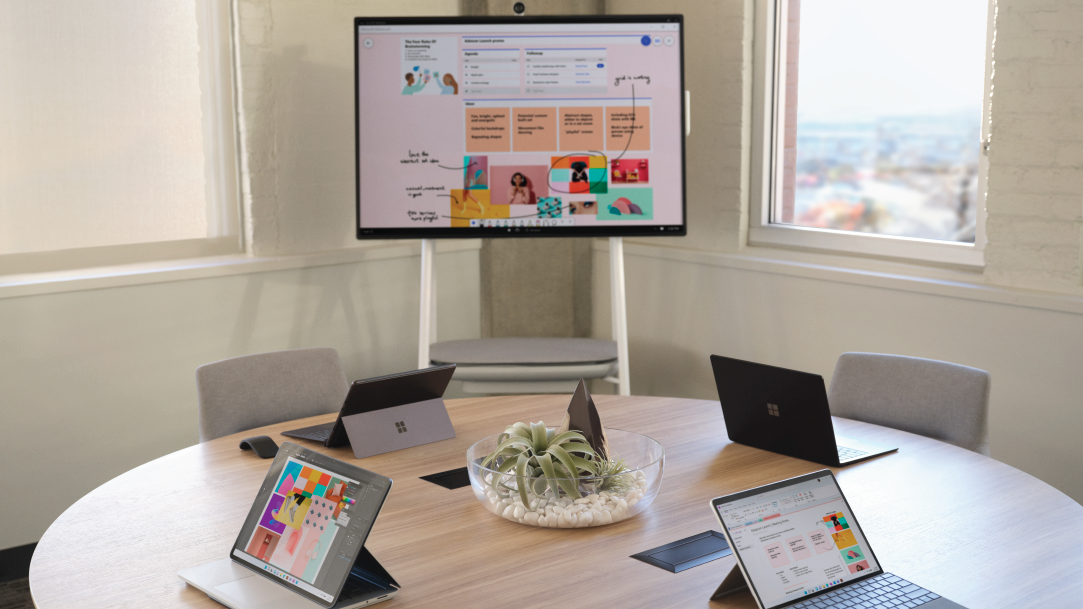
(256, 591)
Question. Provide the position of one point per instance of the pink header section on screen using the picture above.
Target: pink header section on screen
(534, 129)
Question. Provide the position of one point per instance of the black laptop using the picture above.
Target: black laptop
(783, 411)
(378, 393)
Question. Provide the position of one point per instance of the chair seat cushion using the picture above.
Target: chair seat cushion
(523, 351)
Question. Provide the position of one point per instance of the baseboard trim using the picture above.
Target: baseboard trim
(15, 562)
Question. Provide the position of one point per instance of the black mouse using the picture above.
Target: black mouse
(262, 445)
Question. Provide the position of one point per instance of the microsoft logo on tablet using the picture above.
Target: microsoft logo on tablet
(401, 426)
(772, 410)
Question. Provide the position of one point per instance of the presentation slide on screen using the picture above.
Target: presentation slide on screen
(519, 126)
(797, 541)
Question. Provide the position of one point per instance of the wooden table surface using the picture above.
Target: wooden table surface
(965, 526)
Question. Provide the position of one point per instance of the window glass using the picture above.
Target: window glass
(880, 116)
(101, 141)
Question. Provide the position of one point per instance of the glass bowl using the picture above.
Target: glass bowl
(604, 499)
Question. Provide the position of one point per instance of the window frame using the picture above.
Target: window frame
(768, 58)
(214, 26)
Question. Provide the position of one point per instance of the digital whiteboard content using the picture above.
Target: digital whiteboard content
(505, 127)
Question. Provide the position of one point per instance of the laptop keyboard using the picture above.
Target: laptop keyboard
(885, 590)
(320, 435)
(849, 453)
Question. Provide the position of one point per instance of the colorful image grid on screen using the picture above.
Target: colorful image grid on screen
(300, 521)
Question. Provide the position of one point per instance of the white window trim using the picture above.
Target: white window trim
(214, 19)
(214, 27)
(768, 74)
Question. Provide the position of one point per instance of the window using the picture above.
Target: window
(873, 116)
(116, 132)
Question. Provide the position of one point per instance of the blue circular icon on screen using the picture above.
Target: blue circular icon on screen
(646, 40)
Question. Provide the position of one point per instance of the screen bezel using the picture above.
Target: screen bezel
(288, 449)
(824, 473)
(655, 230)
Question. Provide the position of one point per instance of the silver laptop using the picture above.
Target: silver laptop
(798, 545)
(303, 542)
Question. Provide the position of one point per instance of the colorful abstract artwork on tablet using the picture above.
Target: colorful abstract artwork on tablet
(298, 528)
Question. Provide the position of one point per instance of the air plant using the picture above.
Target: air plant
(609, 470)
(543, 457)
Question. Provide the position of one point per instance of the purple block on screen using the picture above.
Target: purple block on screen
(268, 521)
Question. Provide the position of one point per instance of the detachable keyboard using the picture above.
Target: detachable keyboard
(884, 590)
(849, 453)
(358, 585)
(319, 435)
(355, 586)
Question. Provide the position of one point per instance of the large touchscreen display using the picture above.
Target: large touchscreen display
(797, 539)
(497, 129)
(311, 517)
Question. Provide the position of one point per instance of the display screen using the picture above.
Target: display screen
(310, 519)
(520, 127)
(796, 539)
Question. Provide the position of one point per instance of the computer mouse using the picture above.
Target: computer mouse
(263, 446)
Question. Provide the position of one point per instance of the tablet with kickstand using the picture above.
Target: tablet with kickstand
(388, 413)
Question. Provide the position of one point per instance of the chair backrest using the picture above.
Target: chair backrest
(255, 390)
(935, 399)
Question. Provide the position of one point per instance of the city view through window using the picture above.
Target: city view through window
(882, 120)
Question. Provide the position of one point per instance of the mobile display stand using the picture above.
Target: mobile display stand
(554, 375)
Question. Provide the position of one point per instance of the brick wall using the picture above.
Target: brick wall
(297, 102)
(1035, 186)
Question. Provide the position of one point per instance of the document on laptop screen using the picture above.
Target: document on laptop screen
(309, 521)
(797, 540)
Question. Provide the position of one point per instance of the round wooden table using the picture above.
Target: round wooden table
(965, 526)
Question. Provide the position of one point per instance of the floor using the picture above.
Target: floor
(15, 594)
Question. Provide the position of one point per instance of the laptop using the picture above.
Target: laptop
(303, 542)
(784, 411)
(799, 546)
(425, 387)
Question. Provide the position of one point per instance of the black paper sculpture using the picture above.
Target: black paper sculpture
(583, 416)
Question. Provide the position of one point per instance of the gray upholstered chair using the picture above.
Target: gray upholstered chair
(526, 365)
(935, 399)
(255, 390)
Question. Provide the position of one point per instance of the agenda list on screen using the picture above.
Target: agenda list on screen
(534, 127)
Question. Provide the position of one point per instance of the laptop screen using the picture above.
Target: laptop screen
(311, 517)
(795, 538)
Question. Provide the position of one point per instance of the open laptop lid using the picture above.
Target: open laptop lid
(795, 539)
(309, 523)
(776, 409)
(387, 391)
